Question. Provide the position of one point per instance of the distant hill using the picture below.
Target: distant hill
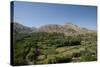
(19, 28)
(67, 29)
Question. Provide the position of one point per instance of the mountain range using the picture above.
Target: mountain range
(67, 29)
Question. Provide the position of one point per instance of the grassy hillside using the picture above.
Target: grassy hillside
(49, 48)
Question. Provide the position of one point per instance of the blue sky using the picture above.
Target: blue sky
(37, 14)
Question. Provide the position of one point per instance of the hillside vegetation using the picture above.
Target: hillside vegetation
(54, 47)
(53, 43)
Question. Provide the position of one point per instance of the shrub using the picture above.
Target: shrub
(41, 57)
(89, 58)
(76, 54)
(63, 58)
(20, 61)
(51, 59)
